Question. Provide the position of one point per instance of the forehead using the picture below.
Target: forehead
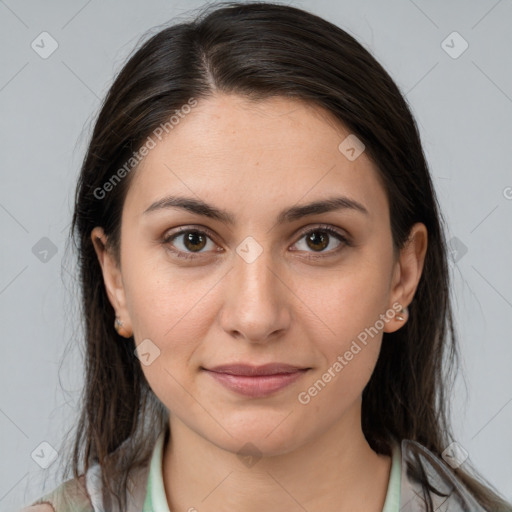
(264, 152)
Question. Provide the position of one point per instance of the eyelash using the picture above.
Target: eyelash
(203, 231)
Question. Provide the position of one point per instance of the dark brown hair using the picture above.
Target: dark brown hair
(261, 50)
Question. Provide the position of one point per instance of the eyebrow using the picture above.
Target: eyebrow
(291, 214)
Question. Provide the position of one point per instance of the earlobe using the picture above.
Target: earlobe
(408, 271)
(112, 278)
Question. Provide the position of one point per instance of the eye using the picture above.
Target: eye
(190, 241)
(320, 238)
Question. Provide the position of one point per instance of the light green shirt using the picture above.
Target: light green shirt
(156, 500)
(392, 503)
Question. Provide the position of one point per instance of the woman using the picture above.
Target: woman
(256, 220)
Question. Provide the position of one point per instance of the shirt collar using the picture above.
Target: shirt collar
(392, 503)
(156, 500)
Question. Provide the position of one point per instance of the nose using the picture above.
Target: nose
(256, 305)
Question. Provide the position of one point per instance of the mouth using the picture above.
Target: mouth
(256, 381)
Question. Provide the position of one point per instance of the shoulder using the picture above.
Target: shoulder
(428, 479)
(69, 496)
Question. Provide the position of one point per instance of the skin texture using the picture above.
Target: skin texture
(254, 159)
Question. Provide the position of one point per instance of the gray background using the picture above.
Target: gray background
(463, 106)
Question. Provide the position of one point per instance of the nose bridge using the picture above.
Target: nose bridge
(255, 307)
(255, 279)
(251, 262)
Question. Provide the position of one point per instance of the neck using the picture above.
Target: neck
(337, 471)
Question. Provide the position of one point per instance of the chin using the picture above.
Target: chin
(262, 435)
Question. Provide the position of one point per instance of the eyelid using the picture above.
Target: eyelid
(329, 229)
(185, 229)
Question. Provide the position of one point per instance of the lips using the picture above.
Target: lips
(254, 371)
(256, 381)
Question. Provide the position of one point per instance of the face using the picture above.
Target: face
(263, 279)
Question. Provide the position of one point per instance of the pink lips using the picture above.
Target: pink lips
(256, 381)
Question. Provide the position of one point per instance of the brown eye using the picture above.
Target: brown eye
(189, 243)
(317, 240)
(194, 241)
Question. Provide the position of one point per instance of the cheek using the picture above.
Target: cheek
(348, 301)
(162, 298)
(349, 352)
(175, 327)
(174, 312)
(349, 304)
(174, 318)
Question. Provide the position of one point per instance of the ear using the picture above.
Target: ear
(113, 280)
(407, 273)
